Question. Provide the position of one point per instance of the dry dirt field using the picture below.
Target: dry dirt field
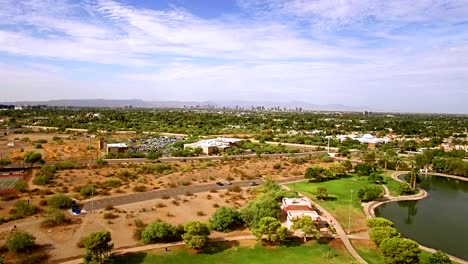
(63, 240)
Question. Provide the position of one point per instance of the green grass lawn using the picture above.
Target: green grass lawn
(312, 252)
(338, 204)
(393, 186)
(370, 254)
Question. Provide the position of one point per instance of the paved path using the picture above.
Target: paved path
(339, 229)
(101, 203)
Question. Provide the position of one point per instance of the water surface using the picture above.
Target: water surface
(439, 221)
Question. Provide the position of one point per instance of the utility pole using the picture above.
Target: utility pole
(350, 206)
(92, 198)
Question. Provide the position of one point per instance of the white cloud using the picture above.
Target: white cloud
(332, 51)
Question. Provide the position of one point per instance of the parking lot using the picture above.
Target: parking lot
(152, 144)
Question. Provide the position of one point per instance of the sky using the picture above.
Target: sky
(392, 55)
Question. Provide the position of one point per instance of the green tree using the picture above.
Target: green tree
(379, 234)
(98, 247)
(196, 234)
(20, 242)
(375, 177)
(369, 193)
(405, 189)
(225, 219)
(4, 163)
(158, 232)
(257, 209)
(321, 193)
(378, 222)
(347, 165)
(307, 226)
(60, 201)
(21, 186)
(439, 257)
(33, 157)
(399, 250)
(88, 190)
(369, 158)
(316, 173)
(270, 227)
(364, 169)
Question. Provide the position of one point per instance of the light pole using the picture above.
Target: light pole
(350, 206)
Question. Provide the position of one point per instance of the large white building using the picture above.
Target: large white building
(210, 146)
(369, 139)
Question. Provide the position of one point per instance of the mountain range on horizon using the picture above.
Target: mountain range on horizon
(139, 103)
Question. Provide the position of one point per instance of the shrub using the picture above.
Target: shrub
(113, 183)
(42, 179)
(139, 188)
(379, 234)
(406, 189)
(298, 160)
(110, 215)
(54, 217)
(23, 209)
(235, 188)
(88, 190)
(400, 250)
(101, 162)
(225, 219)
(378, 222)
(277, 166)
(370, 193)
(439, 257)
(109, 207)
(37, 146)
(20, 242)
(60, 201)
(21, 186)
(196, 234)
(158, 232)
(126, 174)
(66, 165)
(201, 213)
(364, 169)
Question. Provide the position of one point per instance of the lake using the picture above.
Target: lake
(438, 221)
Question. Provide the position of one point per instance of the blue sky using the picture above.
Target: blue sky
(394, 55)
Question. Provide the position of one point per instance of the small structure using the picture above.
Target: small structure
(116, 148)
(211, 146)
(297, 208)
(369, 139)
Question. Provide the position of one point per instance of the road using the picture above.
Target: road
(101, 203)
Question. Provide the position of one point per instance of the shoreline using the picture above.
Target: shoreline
(369, 208)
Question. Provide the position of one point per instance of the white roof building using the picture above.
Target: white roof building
(368, 138)
(117, 145)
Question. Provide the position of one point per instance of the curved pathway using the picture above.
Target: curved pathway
(339, 229)
(369, 207)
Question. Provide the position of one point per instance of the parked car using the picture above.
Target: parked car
(253, 184)
(228, 183)
(219, 184)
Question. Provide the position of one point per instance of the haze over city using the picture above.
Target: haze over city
(385, 55)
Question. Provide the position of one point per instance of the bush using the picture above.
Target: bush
(42, 179)
(439, 257)
(113, 183)
(55, 217)
(235, 188)
(139, 188)
(60, 201)
(225, 219)
(20, 242)
(364, 169)
(21, 186)
(399, 250)
(277, 166)
(378, 222)
(101, 162)
(405, 189)
(126, 174)
(298, 160)
(66, 165)
(88, 190)
(375, 177)
(379, 234)
(370, 193)
(37, 146)
(110, 215)
(158, 232)
(23, 209)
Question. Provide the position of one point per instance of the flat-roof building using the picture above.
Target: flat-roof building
(215, 145)
(297, 208)
(116, 148)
